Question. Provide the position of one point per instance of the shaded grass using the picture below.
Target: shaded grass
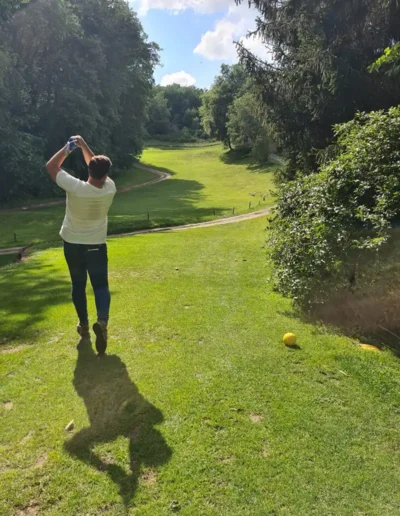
(115, 409)
(201, 184)
(199, 401)
(133, 176)
(159, 144)
(27, 290)
(6, 259)
(365, 301)
(43, 224)
(234, 157)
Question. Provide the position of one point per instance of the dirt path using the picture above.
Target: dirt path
(12, 250)
(218, 222)
(161, 176)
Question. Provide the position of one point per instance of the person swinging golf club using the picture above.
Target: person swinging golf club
(84, 233)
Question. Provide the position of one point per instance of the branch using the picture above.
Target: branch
(248, 55)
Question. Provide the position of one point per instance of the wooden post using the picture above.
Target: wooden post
(233, 211)
(148, 216)
(249, 204)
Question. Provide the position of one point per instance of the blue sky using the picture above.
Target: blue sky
(196, 36)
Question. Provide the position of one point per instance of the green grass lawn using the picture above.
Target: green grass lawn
(135, 176)
(198, 401)
(203, 187)
(42, 225)
(128, 177)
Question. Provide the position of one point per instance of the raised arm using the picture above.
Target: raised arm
(53, 166)
(87, 152)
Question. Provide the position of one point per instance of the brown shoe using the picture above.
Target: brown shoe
(83, 330)
(100, 329)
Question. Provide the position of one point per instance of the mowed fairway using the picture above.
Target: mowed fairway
(198, 407)
(202, 188)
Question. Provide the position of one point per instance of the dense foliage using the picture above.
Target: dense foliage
(231, 113)
(68, 67)
(230, 84)
(247, 127)
(327, 220)
(174, 112)
(389, 61)
(319, 75)
(159, 114)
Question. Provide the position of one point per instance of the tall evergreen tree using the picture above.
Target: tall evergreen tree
(319, 75)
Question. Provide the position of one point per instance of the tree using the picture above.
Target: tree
(389, 61)
(9, 7)
(68, 67)
(230, 84)
(20, 151)
(319, 76)
(247, 129)
(159, 114)
(182, 104)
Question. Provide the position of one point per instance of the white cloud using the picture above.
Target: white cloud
(218, 44)
(182, 78)
(257, 47)
(199, 6)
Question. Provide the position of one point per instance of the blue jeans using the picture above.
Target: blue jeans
(92, 259)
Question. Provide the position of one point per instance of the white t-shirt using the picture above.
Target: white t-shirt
(86, 216)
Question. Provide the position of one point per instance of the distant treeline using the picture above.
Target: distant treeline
(229, 111)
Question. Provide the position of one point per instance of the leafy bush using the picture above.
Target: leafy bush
(338, 216)
(389, 61)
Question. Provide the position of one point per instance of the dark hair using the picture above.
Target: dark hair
(99, 167)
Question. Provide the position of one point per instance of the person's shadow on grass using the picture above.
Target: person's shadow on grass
(115, 408)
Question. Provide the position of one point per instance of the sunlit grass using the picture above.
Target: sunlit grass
(202, 187)
(198, 403)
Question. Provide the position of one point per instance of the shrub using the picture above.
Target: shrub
(326, 222)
